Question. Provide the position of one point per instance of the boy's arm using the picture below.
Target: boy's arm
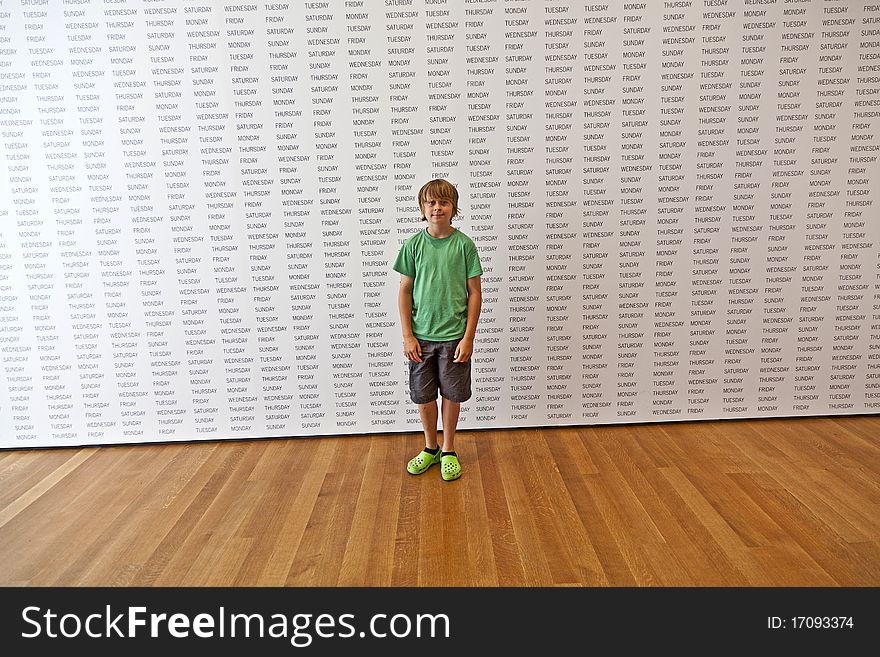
(411, 348)
(465, 348)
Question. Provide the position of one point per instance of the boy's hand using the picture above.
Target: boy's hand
(464, 351)
(412, 349)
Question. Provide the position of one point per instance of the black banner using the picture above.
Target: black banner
(434, 620)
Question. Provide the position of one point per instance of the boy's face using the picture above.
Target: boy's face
(437, 211)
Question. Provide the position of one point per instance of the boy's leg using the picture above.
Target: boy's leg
(450, 411)
(428, 414)
(423, 386)
(455, 388)
(450, 466)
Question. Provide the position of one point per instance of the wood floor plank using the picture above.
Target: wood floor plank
(221, 515)
(112, 553)
(617, 515)
(579, 546)
(639, 505)
(183, 506)
(518, 483)
(835, 558)
(188, 562)
(706, 562)
(462, 520)
(406, 565)
(296, 517)
(705, 514)
(450, 537)
(509, 569)
(21, 471)
(32, 491)
(484, 571)
(64, 519)
(602, 535)
(570, 553)
(322, 547)
(374, 522)
(797, 483)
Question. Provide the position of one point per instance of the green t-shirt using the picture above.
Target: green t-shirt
(440, 268)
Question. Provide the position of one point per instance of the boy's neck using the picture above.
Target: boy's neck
(439, 232)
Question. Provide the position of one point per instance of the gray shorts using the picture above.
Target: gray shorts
(437, 371)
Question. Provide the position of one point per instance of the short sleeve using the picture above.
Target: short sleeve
(474, 268)
(405, 263)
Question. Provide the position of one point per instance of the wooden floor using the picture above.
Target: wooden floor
(793, 502)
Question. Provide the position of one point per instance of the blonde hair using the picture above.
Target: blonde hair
(441, 190)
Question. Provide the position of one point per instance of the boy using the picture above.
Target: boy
(439, 302)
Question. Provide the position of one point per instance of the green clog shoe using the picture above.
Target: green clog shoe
(450, 468)
(422, 461)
